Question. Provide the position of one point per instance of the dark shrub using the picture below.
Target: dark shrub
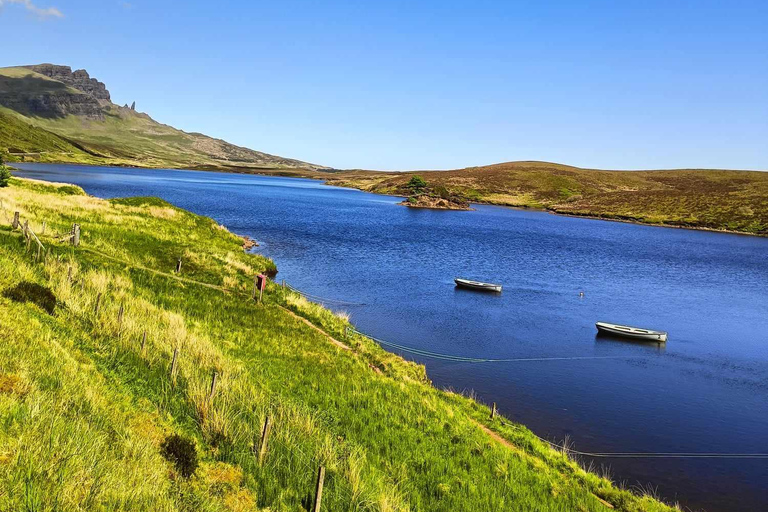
(181, 452)
(417, 183)
(5, 176)
(34, 293)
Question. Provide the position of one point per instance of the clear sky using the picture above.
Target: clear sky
(429, 84)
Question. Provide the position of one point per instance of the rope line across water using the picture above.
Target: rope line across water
(653, 455)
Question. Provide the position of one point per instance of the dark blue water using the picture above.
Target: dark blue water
(706, 391)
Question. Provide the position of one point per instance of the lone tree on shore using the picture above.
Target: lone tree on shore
(417, 184)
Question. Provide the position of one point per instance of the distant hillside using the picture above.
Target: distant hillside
(78, 109)
(711, 199)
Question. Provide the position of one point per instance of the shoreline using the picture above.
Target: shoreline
(296, 173)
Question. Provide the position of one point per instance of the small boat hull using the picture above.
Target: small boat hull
(477, 285)
(634, 333)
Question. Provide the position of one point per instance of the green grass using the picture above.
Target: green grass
(84, 411)
(18, 136)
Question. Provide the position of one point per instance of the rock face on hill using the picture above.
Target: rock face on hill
(50, 96)
(66, 93)
(79, 79)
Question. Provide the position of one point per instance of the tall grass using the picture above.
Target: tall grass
(84, 408)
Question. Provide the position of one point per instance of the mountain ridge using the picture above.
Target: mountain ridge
(78, 108)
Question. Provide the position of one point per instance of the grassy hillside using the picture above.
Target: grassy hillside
(18, 136)
(87, 408)
(713, 199)
(117, 135)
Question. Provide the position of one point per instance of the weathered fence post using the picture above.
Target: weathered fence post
(76, 235)
(98, 302)
(173, 364)
(214, 377)
(178, 266)
(143, 342)
(15, 223)
(264, 438)
(319, 489)
(493, 410)
(120, 319)
(255, 285)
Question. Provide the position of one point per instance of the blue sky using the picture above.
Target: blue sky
(430, 84)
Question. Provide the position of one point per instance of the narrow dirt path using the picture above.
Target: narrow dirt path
(333, 340)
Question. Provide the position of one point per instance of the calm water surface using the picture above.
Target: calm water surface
(706, 391)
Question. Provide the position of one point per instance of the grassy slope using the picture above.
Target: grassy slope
(83, 410)
(18, 136)
(126, 137)
(714, 199)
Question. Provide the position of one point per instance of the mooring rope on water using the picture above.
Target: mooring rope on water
(463, 359)
(651, 455)
(323, 300)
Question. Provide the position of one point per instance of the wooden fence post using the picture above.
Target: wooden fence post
(120, 319)
(319, 489)
(264, 438)
(255, 286)
(98, 302)
(76, 235)
(15, 223)
(173, 364)
(493, 410)
(261, 292)
(178, 266)
(143, 342)
(213, 385)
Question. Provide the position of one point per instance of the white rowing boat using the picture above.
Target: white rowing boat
(635, 333)
(477, 285)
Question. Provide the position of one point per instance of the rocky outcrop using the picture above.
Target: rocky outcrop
(78, 79)
(436, 203)
(33, 95)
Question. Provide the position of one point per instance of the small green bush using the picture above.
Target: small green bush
(5, 175)
(181, 452)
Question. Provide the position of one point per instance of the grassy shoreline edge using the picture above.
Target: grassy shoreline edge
(341, 408)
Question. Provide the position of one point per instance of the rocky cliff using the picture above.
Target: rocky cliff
(78, 109)
(78, 79)
(41, 95)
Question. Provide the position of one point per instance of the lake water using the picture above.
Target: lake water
(706, 391)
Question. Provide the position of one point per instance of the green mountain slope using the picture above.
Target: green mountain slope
(113, 134)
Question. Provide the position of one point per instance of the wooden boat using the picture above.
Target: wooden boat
(477, 285)
(634, 333)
